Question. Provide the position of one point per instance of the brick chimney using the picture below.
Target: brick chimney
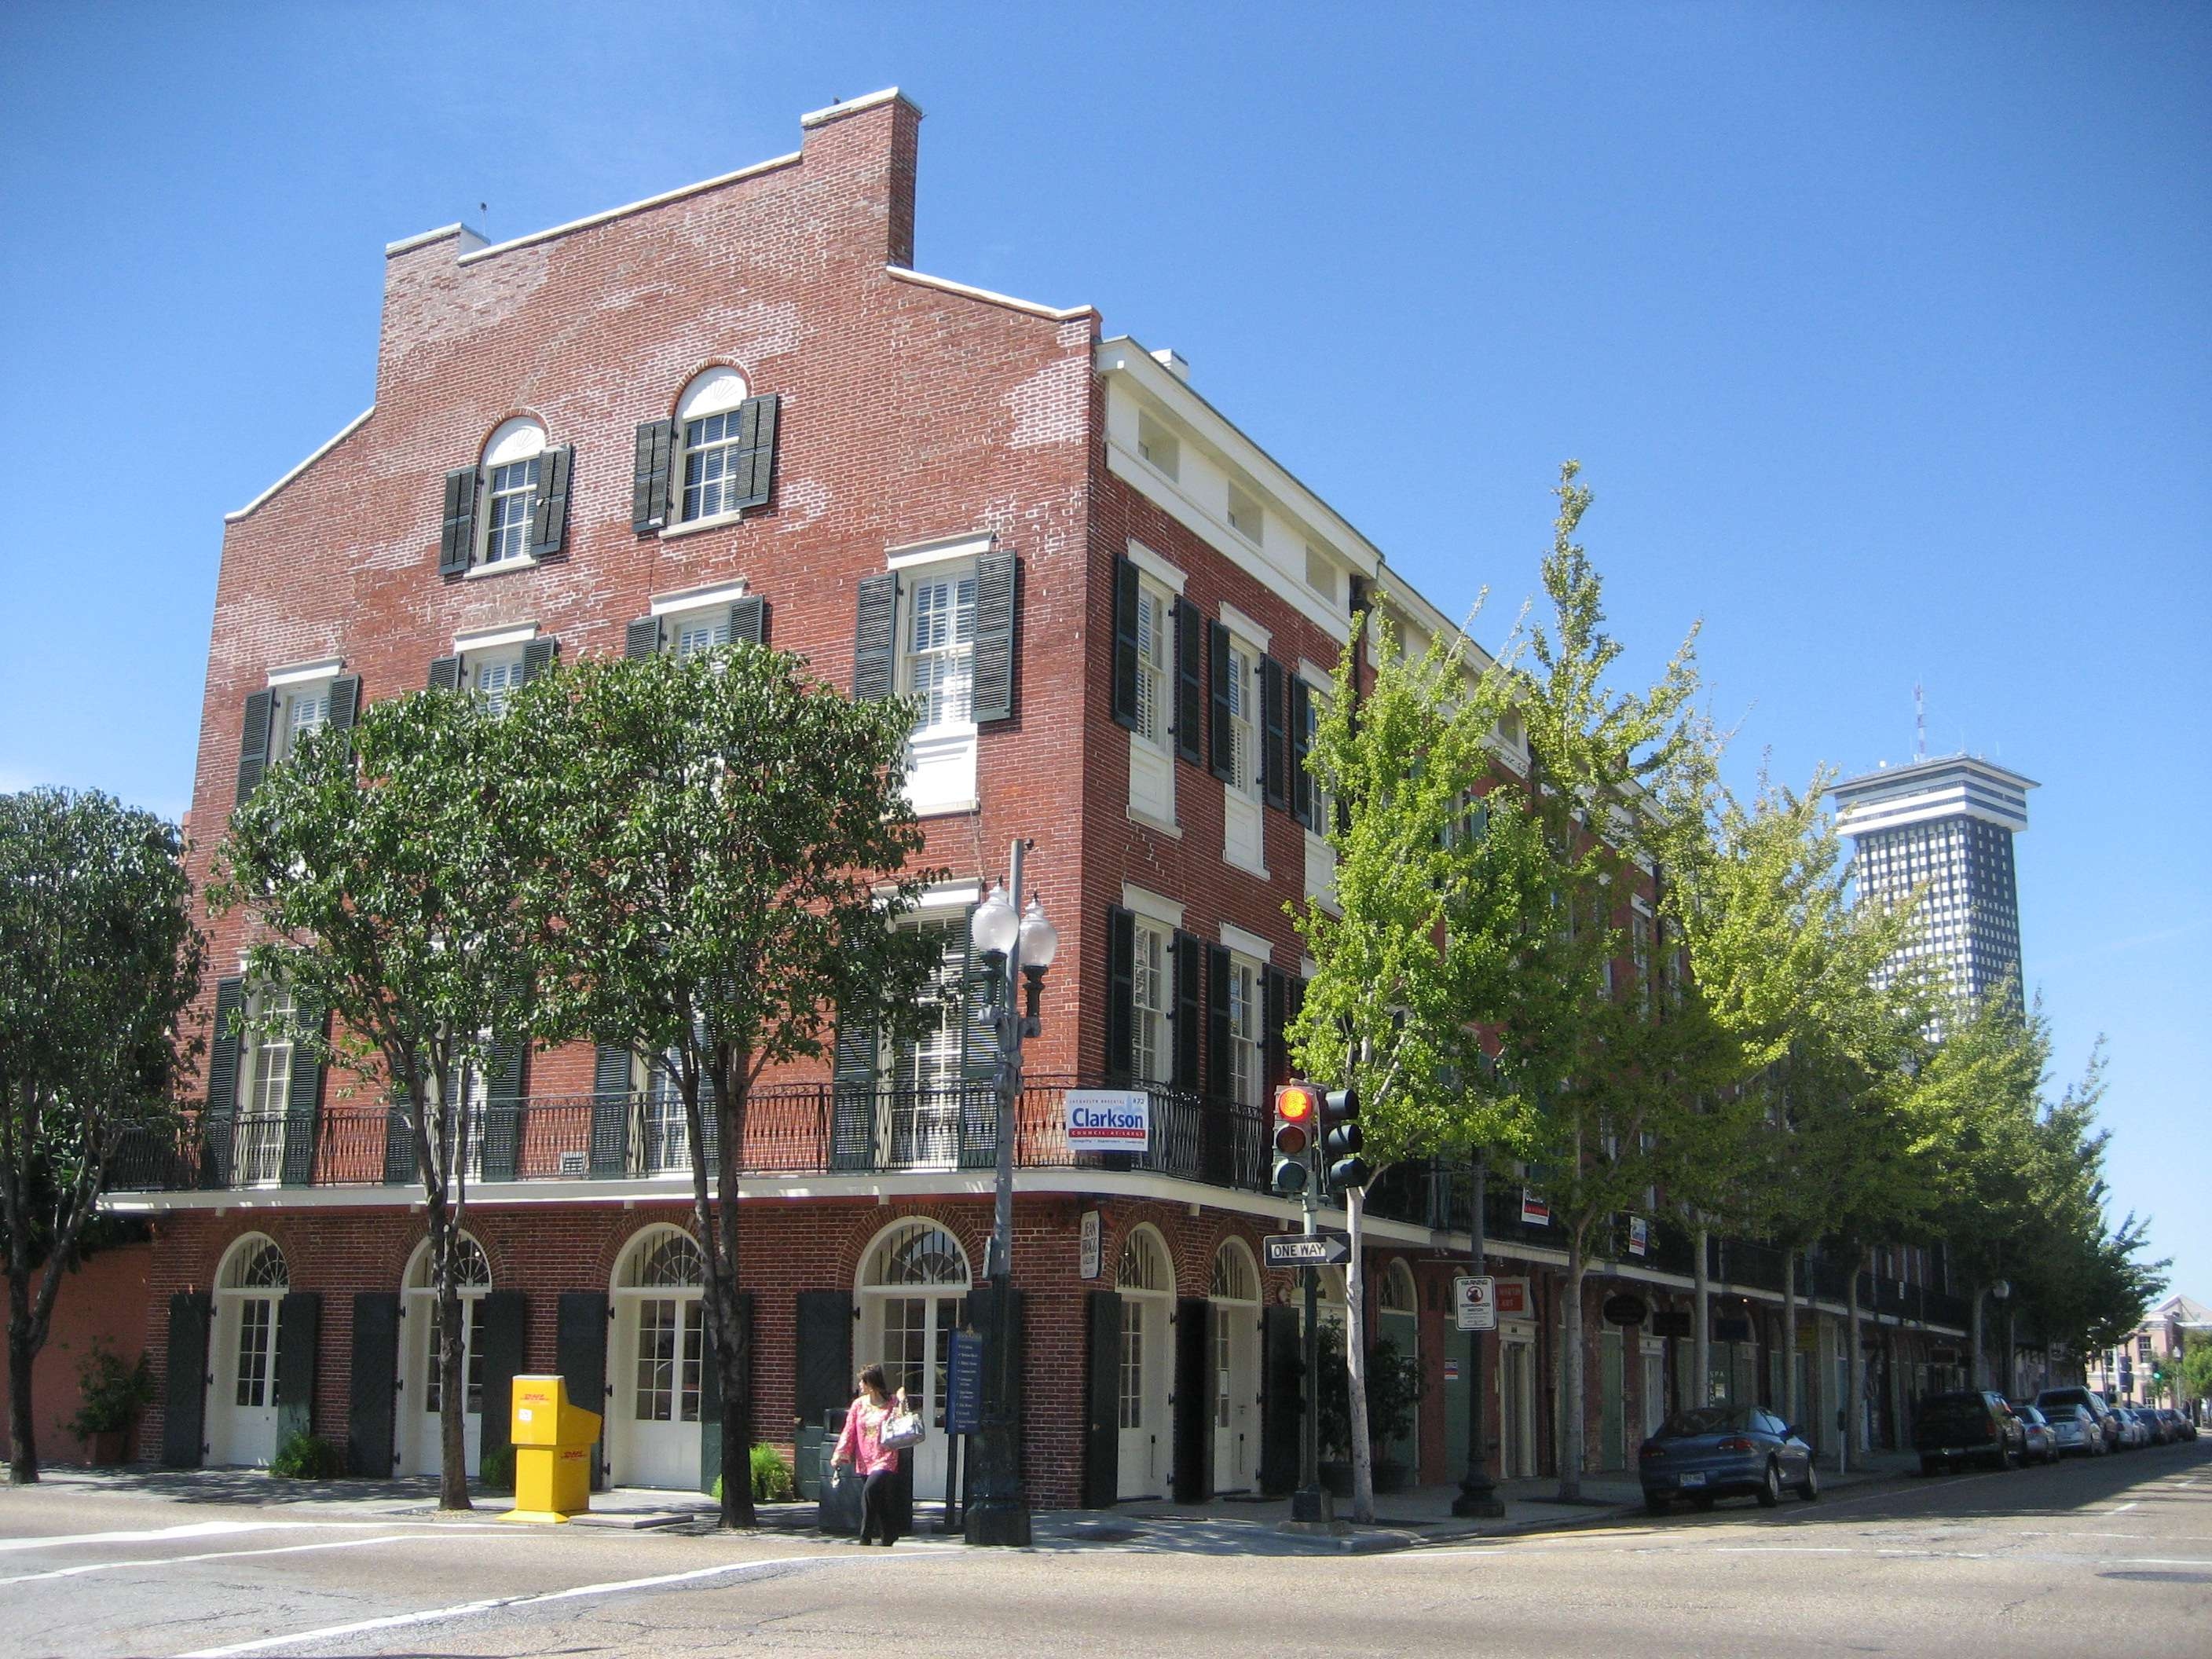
(863, 153)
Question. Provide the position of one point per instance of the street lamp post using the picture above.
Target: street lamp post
(1010, 943)
(1478, 1496)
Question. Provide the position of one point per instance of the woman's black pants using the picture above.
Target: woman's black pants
(879, 1506)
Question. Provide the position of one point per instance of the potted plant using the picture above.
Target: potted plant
(110, 1394)
(1394, 1384)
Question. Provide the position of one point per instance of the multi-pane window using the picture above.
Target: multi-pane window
(498, 679)
(1243, 767)
(472, 1360)
(710, 465)
(1132, 1364)
(940, 648)
(256, 1331)
(1244, 1058)
(258, 1144)
(1639, 938)
(666, 1137)
(512, 494)
(1324, 809)
(1155, 630)
(1151, 1050)
(698, 631)
(301, 710)
(668, 1352)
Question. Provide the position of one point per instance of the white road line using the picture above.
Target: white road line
(1779, 1549)
(213, 1555)
(226, 1529)
(2123, 1508)
(467, 1609)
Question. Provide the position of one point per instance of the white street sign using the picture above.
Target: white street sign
(1475, 1301)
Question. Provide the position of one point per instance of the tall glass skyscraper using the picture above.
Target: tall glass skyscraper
(1947, 826)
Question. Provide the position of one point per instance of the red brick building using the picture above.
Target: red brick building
(735, 409)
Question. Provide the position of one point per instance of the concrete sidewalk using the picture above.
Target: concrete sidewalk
(1224, 1526)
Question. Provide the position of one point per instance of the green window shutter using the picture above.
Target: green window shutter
(853, 1085)
(445, 673)
(1102, 1427)
(1124, 641)
(875, 638)
(1190, 1033)
(650, 475)
(1221, 740)
(993, 680)
(539, 657)
(503, 1087)
(303, 1097)
(345, 701)
(371, 1449)
(611, 1108)
(402, 1167)
(1190, 683)
(1218, 1035)
(1274, 713)
(1302, 789)
(299, 1340)
(1193, 1398)
(579, 1354)
(1120, 994)
(642, 637)
(549, 509)
(1282, 1407)
(755, 458)
(253, 742)
(456, 534)
(222, 1076)
(749, 620)
(502, 1332)
(183, 1417)
(1274, 1016)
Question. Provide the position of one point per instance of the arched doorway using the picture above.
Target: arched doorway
(1234, 1294)
(421, 1448)
(913, 1279)
(1145, 1278)
(1398, 1322)
(241, 1410)
(659, 1351)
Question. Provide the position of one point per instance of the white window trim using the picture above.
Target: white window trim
(708, 381)
(1316, 677)
(480, 530)
(948, 896)
(305, 673)
(1247, 944)
(679, 451)
(1156, 567)
(1242, 625)
(695, 598)
(942, 550)
(1143, 902)
(491, 639)
(712, 521)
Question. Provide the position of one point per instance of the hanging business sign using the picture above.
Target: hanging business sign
(1535, 1212)
(1089, 1234)
(1625, 1309)
(1639, 1236)
(1109, 1120)
(1512, 1296)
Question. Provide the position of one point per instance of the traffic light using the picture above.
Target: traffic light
(1296, 1105)
(1341, 1140)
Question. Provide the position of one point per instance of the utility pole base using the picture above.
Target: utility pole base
(1007, 1527)
(1317, 1529)
(1312, 1506)
(1479, 1505)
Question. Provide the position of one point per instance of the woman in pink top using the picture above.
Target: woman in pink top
(860, 1448)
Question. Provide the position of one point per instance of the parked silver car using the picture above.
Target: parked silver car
(2073, 1428)
(2099, 1409)
(2042, 1443)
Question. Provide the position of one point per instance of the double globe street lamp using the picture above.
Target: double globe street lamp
(1008, 942)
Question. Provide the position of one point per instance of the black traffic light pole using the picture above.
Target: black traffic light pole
(1309, 1501)
(1478, 1496)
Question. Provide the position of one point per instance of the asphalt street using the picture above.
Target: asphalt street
(2110, 1556)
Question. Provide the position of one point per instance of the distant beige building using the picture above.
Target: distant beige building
(2125, 1373)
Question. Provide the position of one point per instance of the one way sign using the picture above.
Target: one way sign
(1307, 1249)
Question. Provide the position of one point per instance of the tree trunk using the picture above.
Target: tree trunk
(453, 1382)
(1853, 1438)
(1355, 1362)
(23, 1451)
(1791, 1403)
(1981, 1359)
(1570, 1368)
(734, 1367)
(1701, 1339)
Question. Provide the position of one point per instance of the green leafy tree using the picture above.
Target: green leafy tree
(2196, 1371)
(1610, 1083)
(1431, 897)
(384, 869)
(723, 867)
(99, 962)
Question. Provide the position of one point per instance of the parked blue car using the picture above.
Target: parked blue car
(1725, 1451)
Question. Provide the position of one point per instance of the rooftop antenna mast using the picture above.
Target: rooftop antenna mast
(1919, 724)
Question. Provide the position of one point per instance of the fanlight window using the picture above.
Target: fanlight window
(921, 1254)
(1234, 1279)
(1144, 1264)
(1397, 1294)
(471, 1268)
(259, 1267)
(668, 1260)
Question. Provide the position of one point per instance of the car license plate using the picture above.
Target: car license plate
(1697, 1479)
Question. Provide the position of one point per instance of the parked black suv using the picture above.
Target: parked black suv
(1976, 1424)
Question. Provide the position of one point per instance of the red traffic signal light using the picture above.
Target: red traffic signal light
(1296, 1106)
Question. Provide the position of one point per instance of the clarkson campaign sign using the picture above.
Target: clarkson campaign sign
(1110, 1120)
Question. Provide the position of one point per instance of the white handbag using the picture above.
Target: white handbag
(904, 1429)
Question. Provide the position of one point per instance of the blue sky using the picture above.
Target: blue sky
(1882, 332)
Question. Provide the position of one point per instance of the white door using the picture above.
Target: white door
(1236, 1394)
(1516, 1423)
(422, 1450)
(241, 1417)
(660, 1340)
(1144, 1395)
(910, 1336)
